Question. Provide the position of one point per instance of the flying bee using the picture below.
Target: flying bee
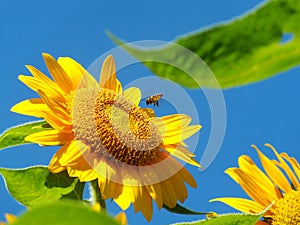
(153, 99)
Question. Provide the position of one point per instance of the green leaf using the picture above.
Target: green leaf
(15, 135)
(247, 49)
(182, 210)
(36, 185)
(64, 213)
(229, 219)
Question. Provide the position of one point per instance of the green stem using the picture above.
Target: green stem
(96, 194)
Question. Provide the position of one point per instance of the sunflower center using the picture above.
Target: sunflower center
(287, 211)
(113, 127)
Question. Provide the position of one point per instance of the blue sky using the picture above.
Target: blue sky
(256, 114)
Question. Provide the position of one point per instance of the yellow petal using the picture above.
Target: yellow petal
(176, 121)
(168, 166)
(138, 201)
(71, 154)
(125, 198)
(30, 107)
(41, 77)
(109, 179)
(179, 147)
(50, 137)
(156, 194)
(118, 87)
(150, 179)
(171, 122)
(273, 172)
(184, 144)
(181, 155)
(106, 170)
(108, 77)
(179, 187)
(74, 70)
(79, 76)
(285, 167)
(62, 159)
(96, 207)
(173, 125)
(109, 188)
(211, 215)
(55, 107)
(241, 204)
(82, 170)
(36, 85)
(248, 166)
(116, 189)
(145, 203)
(169, 195)
(187, 177)
(190, 131)
(58, 124)
(133, 94)
(10, 218)
(133, 192)
(250, 186)
(176, 136)
(57, 72)
(293, 162)
(54, 165)
(121, 218)
(129, 176)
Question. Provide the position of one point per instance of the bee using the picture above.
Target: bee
(153, 99)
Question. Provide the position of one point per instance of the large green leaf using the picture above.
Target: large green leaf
(15, 135)
(230, 219)
(179, 209)
(36, 185)
(64, 213)
(245, 50)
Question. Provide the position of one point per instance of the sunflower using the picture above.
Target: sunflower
(278, 187)
(106, 136)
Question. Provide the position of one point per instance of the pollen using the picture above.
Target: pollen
(287, 211)
(113, 127)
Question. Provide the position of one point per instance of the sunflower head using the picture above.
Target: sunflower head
(106, 135)
(287, 209)
(277, 186)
